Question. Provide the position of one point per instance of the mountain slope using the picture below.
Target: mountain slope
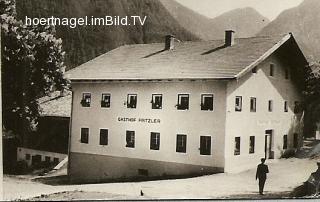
(245, 21)
(86, 42)
(303, 22)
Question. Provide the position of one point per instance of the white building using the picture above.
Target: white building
(185, 108)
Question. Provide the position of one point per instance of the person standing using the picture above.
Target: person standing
(261, 174)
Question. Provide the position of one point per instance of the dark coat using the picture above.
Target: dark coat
(262, 171)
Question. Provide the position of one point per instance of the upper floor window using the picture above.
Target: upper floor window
(105, 100)
(286, 73)
(155, 141)
(253, 104)
(271, 73)
(252, 144)
(285, 107)
(156, 101)
(238, 104)
(207, 102)
(130, 139)
(270, 105)
(86, 99)
(84, 135)
(181, 143)
(237, 146)
(132, 101)
(205, 145)
(103, 136)
(183, 102)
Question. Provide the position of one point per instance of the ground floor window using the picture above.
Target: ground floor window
(28, 156)
(205, 145)
(103, 136)
(130, 139)
(285, 142)
(237, 146)
(252, 144)
(84, 135)
(181, 143)
(155, 141)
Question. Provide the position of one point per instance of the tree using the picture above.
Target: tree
(312, 98)
(32, 66)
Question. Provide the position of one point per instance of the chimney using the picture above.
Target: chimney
(229, 38)
(169, 42)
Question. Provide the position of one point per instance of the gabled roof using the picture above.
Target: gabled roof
(188, 60)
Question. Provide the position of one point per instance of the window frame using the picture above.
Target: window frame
(270, 105)
(83, 101)
(107, 137)
(206, 151)
(153, 98)
(108, 105)
(129, 104)
(87, 138)
(207, 95)
(272, 69)
(132, 142)
(240, 104)
(252, 144)
(179, 106)
(286, 106)
(181, 148)
(237, 151)
(156, 146)
(285, 142)
(253, 105)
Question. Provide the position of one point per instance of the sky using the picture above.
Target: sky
(212, 8)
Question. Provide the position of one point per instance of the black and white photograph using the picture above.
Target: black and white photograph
(160, 100)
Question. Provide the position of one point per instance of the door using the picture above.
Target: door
(268, 144)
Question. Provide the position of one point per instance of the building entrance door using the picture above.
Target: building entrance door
(268, 144)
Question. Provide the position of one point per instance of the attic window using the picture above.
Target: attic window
(254, 70)
(271, 69)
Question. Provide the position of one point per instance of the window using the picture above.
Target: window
(207, 102)
(105, 100)
(270, 105)
(205, 145)
(47, 159)
(254, 70)
(238, 104)
(156, 101)
(286, 106)
(252, 143)
(237, 146)
(28, 156)
(132, 101)
(155, 141)
(85, 135)
(86, 99)
(183, 102)
(181, 143)
(130, 139)
(285, 142)
(286, 73)
(271, 70)
(103, 136)
(253, 104)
